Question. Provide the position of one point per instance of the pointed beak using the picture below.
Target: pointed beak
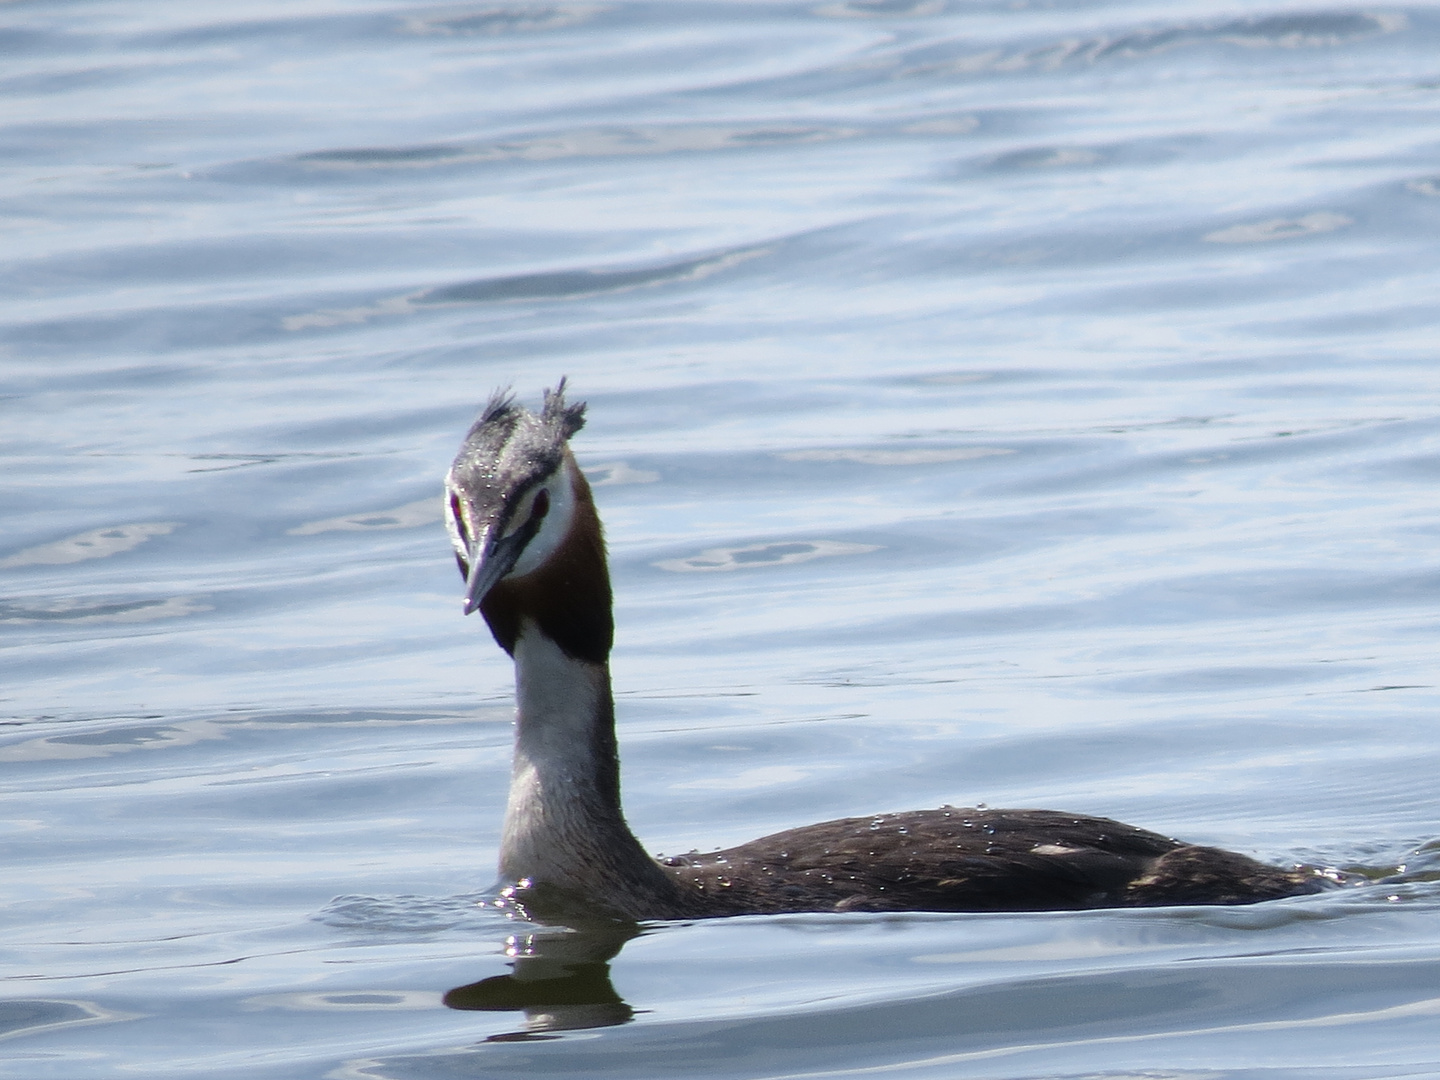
(489, 562)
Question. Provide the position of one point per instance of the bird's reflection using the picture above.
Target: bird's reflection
(560, 978)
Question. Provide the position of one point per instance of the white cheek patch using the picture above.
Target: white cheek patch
(453, 506)
(521, 514)
(554, 527)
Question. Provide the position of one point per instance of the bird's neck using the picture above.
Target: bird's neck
(564, 829)
(565, 778)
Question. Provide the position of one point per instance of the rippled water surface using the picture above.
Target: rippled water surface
(1021, 403)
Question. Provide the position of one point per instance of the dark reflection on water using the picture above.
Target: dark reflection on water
(560, 978)
(21, 1016)
(1121, 996)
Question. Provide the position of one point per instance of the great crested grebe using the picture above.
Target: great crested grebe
(529, 545)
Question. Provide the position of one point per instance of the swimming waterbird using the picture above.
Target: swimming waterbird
(529, 544)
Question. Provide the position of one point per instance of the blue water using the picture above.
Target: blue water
(1021, 403)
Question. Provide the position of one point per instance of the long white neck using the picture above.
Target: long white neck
(563, 824)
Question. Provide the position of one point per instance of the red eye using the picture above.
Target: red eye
(541, 506)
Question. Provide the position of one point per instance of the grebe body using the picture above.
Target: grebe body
(530, 547)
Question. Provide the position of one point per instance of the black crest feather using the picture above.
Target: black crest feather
(570, 418)
(502, 401)
(509, 444)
